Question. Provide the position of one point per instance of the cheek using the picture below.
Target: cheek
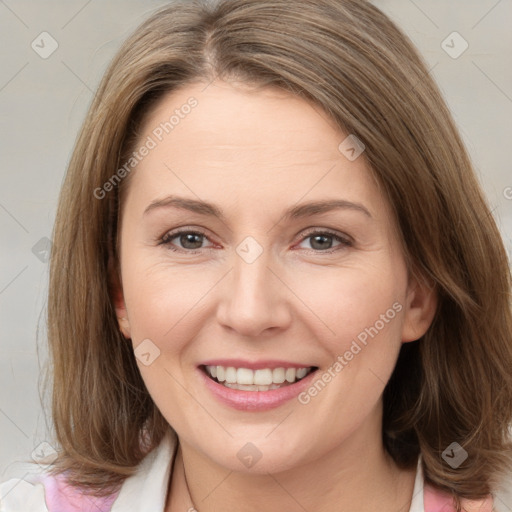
(354, 303)
(161, 298)
(164, 307)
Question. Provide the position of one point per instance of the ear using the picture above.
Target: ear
(116, 292)
(420, 308)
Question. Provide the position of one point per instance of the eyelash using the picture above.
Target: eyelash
(166, 240)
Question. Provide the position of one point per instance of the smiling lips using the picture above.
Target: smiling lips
(255, 386)
(265, 386)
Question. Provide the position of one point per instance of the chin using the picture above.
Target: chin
(258, 456)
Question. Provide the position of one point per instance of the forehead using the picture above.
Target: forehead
(229, 114)
(240, 142)
(218, 101)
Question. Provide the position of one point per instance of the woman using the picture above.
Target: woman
(276, 282)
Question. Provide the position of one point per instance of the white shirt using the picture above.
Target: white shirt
(145, 491)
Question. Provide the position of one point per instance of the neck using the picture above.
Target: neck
(358, 476)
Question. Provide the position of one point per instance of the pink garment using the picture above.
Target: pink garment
(438, 501)
(61, 497)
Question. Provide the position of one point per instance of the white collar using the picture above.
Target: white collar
(417, 504)
(146, 490)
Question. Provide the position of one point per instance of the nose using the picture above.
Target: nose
(254, 299)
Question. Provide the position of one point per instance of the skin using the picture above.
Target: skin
(242, 148)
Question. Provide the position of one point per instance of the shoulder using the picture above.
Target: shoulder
(39, 491)
(22, 494)
(42, 492)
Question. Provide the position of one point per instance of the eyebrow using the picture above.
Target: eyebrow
(295, 212)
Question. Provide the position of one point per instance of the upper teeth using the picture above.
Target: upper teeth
(263, 377)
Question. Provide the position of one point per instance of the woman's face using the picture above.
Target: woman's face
(268, 274)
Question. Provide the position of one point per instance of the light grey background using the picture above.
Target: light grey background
(42, 105)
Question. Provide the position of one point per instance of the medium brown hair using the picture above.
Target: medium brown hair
(452, 385)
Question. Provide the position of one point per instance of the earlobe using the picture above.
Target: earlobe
(124, 326)
(122, 316)
(420, 309)
(119, 305)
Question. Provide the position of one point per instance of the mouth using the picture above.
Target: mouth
(262, 379)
